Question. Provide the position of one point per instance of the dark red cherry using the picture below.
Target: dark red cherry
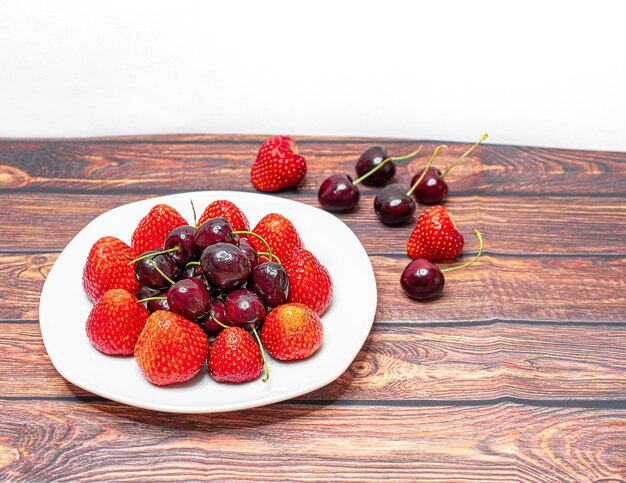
(149, 276)
(369, 159)
(432, 188)
(393, 206)
(422, 279)
(269, 281)
(161, 304)
(216, 309)
(250, 252)
(243, 307)
(189, 298)
(225, 266)
(145, 292)
(215, 230)
(182, 237)
(338, 193)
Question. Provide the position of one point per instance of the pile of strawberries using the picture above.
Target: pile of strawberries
(159, 300)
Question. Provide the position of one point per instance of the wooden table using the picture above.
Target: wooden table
(517, 373)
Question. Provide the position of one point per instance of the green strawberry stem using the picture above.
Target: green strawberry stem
(480, 252)
(152, 255)
(269, 250)
(465, 154)
(147, 299)
(222, 325)
(258, 339)
(432, 158)
(265, 254)
(192, 263)
(376, 168)
(161, 272)
(195, 218)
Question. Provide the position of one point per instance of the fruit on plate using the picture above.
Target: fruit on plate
(170, 349)
(153, 228)
(279, 233)
(244, 308)
(422, 279)
(227, 210)
(155, 269)
(183, 239)
(225, 266)
(292, 332)
(376, 157)
(215, 230)
(107, 267)
(235, 357)
(115, 322)
(278, 165)
(430, 186)
(189, 298)
(270, 281)
(392, 205)
(435, 236)
(309, 280)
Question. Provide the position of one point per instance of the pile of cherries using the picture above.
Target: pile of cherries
(213, 276)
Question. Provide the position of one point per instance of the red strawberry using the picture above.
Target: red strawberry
(170, 348)
(226, 209)
(435, 236)
(279, 233)
(278, 165)
(115, 322)
(235, 357)
(107, 267)
(292, 332)
(309, 280)
(154, 228)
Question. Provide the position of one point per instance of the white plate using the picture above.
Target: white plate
(64, 307)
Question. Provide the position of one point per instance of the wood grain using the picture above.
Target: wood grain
(410, 363)
(190, 164)
(516, 289)
(511, 226)
(105, 441)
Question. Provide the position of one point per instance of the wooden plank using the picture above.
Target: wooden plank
(410, 363)
(178, 163)
(527, 226)
(105, 441)
(569, 289)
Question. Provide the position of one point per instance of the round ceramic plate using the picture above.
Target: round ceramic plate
(64, 308)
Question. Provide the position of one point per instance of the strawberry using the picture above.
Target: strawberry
(292, 332)
(279, 233)
(435, 236)
(154, 228)
(170, 348)
(107, 267)
(115, 322)
(235, 357)
(309, 280)
(226, 209)
(278, 165)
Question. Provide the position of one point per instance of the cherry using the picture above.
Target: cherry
(156, 270)
(269, 281)
(423, 280)
(433, 188)
(374, 156)
(158, 302)
(243, 307)
(145, 292)
(225, 266)
(392, 205)
(339, 193)
(216, 312)
(182, 237)
(189, 298)
(215, 230)
(250, 252)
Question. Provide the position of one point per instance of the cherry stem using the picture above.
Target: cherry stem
(195, 219)
(222, 325)
(465, 154)
(265, 254)
(480, 252)
(269, 250)
(432, 158)
(152, 255)
(192, 263)
(385, 161)
(147, 299)
(161, 272)
(258, 339)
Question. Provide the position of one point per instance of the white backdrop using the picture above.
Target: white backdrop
(528, 72)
